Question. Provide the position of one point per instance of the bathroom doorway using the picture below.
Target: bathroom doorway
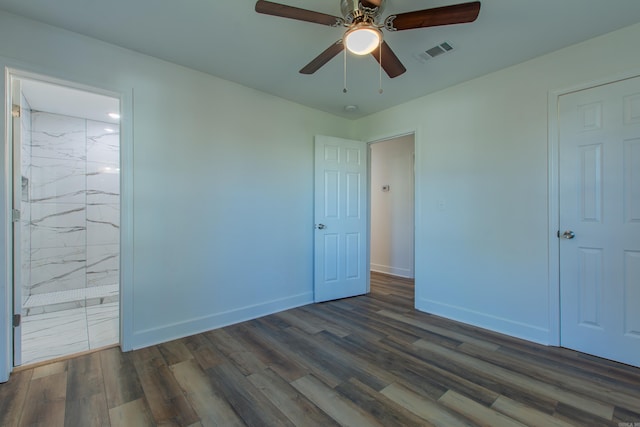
(66, 245)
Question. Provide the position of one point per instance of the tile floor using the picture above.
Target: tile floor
(50, 335)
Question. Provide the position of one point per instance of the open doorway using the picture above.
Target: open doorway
(392, 207)
(66, 245)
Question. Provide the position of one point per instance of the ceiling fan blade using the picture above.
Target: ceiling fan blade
(370, 3)
(323, 58)
(390, 62)
(446, 15)
(284, 11)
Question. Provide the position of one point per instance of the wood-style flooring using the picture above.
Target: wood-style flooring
(365, 361)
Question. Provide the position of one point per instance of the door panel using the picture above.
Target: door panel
(632, 180)
(340, 206)
(591, 183)
(632, 293)
(599, 136)
(590, 286)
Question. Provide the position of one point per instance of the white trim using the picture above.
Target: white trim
(553, 244)
(484, 320)
(554, 194)
(417, 199)
(6, 291)
(126, 220)
(393, 271)
(153, 336)
(26, 71)
(368, 251)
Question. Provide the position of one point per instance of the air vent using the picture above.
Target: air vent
(433, 52)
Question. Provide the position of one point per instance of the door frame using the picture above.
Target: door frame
(416, 202)
(15, 69)
(553, 110)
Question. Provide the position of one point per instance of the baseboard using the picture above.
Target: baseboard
(485, 320)
(153, 336)
(394, 271)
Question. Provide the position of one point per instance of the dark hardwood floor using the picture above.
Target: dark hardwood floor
(365, 361)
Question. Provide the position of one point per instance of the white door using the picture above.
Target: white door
(599, 141)
(340, 256)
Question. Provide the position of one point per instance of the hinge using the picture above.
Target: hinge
(15, 213)
(558, 234)
(16, 111)
(16, 320)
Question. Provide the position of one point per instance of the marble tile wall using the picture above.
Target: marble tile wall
(74, 203)
(25, 207)
(103, 204)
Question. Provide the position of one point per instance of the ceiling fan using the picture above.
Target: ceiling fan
(363, 36)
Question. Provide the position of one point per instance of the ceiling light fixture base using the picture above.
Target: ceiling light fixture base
(362, 38)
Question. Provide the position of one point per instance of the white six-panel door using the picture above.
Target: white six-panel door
(599, 158)
(340, 252)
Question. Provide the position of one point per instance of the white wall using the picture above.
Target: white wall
(482, 249)
(222, 185)
(392, 211)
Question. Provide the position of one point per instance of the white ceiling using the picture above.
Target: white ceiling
(228, 39)
(53, 98)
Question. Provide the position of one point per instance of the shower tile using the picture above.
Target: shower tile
(51, 335)
(56, 225)
(103, 325)
(25, 212)
(25, 249)
(58, 180)
(25, 132)
(25, 114)
(103, 300)
(57, 137)
(25, 277)
(55, 334)
(72, 295)
(58, 269)
(25, 169)
(25, 148)
(103, 265)
(25, 208)
(103, 146)
(103, 224)
(103, 183)
(52, 308)
(25, 172)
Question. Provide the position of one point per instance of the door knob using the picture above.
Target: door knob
(568, 234)
(321, 226)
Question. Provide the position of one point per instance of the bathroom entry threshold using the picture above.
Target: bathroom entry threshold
(52, 335)
(58, 362)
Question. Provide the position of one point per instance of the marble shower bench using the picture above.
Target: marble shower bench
(75, 298)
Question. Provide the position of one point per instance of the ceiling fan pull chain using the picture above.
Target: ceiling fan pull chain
(344, 89)
(380, 70)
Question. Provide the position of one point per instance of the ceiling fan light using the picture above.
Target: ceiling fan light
(362, 40)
